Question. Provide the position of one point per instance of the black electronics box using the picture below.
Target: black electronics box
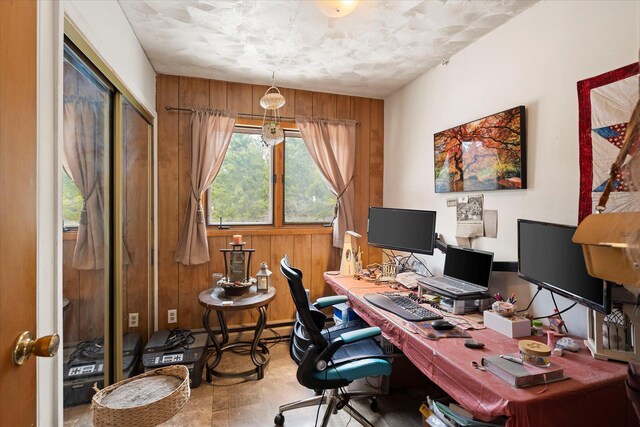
(166, 348)
(83, 365)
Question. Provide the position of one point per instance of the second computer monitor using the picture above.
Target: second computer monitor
(548, 257)
(406, 230)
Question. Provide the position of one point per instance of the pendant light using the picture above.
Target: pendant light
(272, 101)
(336, 8)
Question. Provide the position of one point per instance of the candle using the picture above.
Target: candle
(551, 339)
(237, 239)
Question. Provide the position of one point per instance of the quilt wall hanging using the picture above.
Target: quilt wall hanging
(605, 104)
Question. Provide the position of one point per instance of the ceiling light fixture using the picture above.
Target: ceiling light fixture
(337, 8)
(272, 101)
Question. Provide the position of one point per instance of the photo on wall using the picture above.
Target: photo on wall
(482, 155)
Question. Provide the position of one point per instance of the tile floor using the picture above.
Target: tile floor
(236, 402)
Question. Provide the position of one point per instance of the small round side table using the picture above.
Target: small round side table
(216, 300)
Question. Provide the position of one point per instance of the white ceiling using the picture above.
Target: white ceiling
(372, 52)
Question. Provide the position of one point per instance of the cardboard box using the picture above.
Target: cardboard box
(513, 327)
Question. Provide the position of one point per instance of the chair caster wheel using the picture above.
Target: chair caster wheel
(279, 420)
(373, 405)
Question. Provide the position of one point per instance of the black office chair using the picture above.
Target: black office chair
(330, 358)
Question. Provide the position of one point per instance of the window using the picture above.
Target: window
(256, 182)
(242, 193)
(71, 202)
(307, 199)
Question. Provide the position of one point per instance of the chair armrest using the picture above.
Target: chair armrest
(360, 334)
(328, 301)
(346, 338)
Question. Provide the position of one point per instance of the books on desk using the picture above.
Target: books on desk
(522, 375)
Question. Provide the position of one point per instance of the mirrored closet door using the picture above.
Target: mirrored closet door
(107, 202)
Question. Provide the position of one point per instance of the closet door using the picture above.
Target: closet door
(108, 223)
(136, 197)
(86, 207)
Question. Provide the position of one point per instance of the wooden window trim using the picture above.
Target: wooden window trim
(213, 231)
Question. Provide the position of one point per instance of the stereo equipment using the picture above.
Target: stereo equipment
(177, 347)
(83, 365)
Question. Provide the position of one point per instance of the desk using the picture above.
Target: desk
(214, 299)
(593, 396)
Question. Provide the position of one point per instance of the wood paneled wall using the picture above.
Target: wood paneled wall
(84, 316)
(310, 250)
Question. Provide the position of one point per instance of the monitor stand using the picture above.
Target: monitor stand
(459, 304)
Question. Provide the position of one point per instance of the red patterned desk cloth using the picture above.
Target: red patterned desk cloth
(593, 396)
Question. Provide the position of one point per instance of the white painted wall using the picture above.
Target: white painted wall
(106, 28)
(535, 60)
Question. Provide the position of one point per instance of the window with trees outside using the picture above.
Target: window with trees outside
(242, 193)
(71, 202)
(255, 182)
(307, 198)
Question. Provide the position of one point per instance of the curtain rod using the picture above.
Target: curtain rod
(291, 119)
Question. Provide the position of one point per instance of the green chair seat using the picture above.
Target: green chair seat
(354, 370)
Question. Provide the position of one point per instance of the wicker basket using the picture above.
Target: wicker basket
(153, 410)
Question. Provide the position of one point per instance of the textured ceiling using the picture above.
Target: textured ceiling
(372, 52)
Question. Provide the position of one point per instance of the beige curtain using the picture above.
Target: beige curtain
(332, 145)
(211, 133)
(83, 160)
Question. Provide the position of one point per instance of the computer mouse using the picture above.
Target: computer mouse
(441, 325)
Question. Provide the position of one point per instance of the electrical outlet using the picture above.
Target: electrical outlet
(172, 316)
(133, 320)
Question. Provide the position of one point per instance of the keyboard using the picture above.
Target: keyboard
(402, 306)
(451, 285)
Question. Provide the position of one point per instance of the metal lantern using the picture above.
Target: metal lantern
(263, 278)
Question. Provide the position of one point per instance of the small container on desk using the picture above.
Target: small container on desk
(535, 353)
(513, 327)
(537, 328)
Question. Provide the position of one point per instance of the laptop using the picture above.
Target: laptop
(466, 272)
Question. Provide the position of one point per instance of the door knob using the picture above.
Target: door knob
(25, 346)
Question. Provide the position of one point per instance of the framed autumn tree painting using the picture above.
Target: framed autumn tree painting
(486, 154)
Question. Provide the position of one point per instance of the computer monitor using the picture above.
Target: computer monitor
(547, 257)
(402, 229)
(470, 265)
